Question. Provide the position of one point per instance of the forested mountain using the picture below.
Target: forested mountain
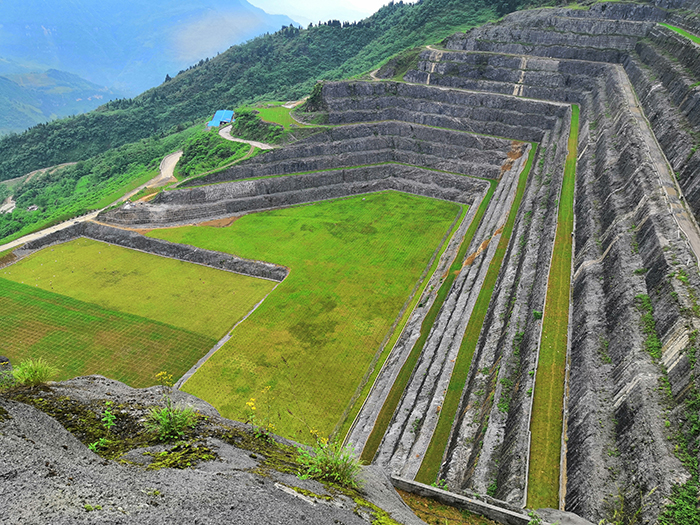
(126, 45)
(281, 65)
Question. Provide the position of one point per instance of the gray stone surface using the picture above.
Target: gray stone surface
(48, 476)
(616, 441)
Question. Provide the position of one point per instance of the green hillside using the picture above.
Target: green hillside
(283, 65)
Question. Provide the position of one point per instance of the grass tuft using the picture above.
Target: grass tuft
(331, 462)
(34, 372)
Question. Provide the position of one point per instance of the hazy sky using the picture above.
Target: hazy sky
(305, 11)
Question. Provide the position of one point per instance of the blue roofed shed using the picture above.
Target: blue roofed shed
(221, 116)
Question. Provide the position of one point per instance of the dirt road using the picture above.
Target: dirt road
(226, 134)
(167, 167)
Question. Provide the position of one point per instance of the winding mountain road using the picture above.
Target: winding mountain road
(226, 134)
(167, 167)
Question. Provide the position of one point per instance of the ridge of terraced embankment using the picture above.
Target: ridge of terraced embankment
(631, 381)
(458, 129)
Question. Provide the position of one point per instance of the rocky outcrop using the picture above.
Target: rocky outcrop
(49, 474)
(628, 246)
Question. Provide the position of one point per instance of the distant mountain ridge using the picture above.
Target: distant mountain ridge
(126, 45)
(28, 99)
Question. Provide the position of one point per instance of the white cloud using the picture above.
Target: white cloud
(322, 10)
(204, 37)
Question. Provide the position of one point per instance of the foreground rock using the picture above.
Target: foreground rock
(49, 476)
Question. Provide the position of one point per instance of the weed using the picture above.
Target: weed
(440, 484)
(90, 508)
(652, 344)
(99, 444)
(620, 510)
(641, 271)
(416, 425)
(492, 488)
(534, 518)
(331, 462)
(108, 417)
(34, 372)
(504, 401)
(603, 351)
(263, 428)
(171, 421)
(537, 314)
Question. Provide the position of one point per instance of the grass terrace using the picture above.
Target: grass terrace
(82, 338)
(683, 32)
(432, 461)
(205, 301)
(354, 263)
(546, 426)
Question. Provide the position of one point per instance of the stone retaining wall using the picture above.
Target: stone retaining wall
(225, 200)
(136, 241)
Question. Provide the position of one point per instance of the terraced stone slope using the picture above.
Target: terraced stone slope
(635, 284)
(630, 237)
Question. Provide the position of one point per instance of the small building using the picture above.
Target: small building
(222, 116)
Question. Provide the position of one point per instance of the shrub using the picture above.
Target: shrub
(33, 372)
(331, 462)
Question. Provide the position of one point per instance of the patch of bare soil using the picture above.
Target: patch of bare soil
(7, 260)
(482, 247)
(516, 151)
(220, 223)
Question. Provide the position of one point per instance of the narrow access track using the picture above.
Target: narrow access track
(225, 133)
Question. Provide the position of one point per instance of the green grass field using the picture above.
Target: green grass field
(81, 338)
(433, 457)
(683, 32)
(278, 115)
(546, 426)
(353, 265)
(205, 301)
(352, 411)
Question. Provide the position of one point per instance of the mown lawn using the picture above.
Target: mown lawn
(184, 295)
(278, 115)
(80, 338)
(353, 265)
(547, 423)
